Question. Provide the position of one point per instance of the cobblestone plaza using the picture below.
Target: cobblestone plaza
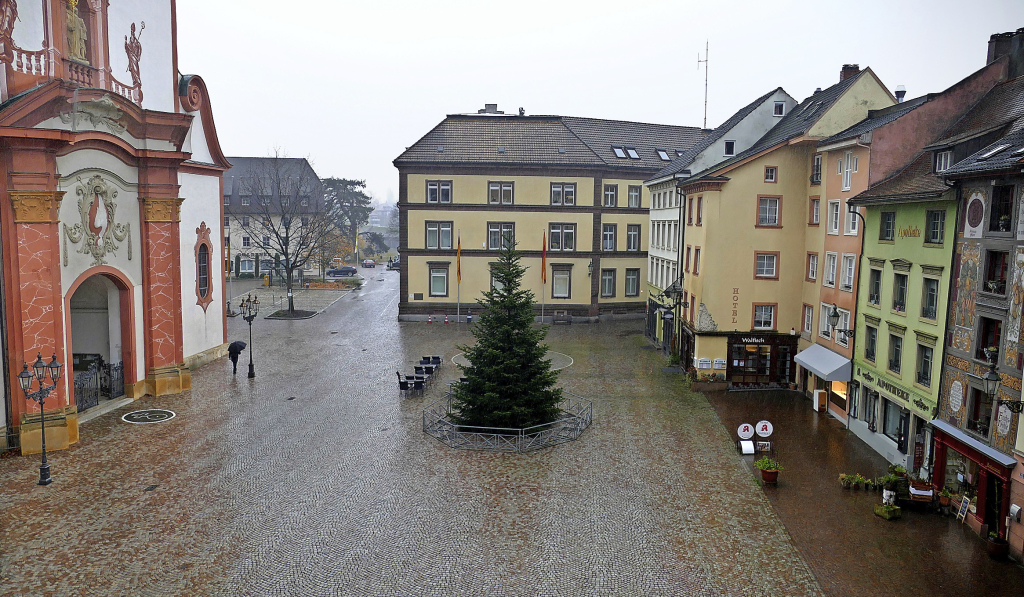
(316, 479)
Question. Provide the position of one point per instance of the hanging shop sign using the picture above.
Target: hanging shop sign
(764, 429)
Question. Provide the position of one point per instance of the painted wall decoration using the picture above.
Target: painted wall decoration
(956, 396)
(98, 232)
(974, 222)
(967, 284)
(954, 378)
(705, 322)
(1003, 420)
(1012, 334)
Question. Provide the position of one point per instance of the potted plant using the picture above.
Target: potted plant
(997, 546)
(844, 480)
(769, 468)
(888, 511)
(1004, 223)
(899, 471)
(944, 496)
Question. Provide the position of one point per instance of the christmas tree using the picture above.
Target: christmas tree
(508, 383)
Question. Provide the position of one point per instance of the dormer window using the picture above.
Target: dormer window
(730, 148)
(780, 109)
(992, 151)
(663, 155)
(633, 155)
(618, 151)
(943, 160)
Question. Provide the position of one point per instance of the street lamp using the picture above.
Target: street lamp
(25, 380)
(991, 381)
(249, 308)
(833, 321)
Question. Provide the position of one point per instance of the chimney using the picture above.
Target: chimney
(817, 90)
(1009, 44)
(489, 109)
(998, 46)
(848, 71)
(901, 92)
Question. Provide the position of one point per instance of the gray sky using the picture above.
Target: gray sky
(350, 84)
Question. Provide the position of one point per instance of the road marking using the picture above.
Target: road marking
(386, 307)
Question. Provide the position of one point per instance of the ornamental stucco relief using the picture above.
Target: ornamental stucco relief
(705, 322)
(98, 233)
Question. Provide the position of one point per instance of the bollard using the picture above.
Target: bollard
(430, 319)
(446, 320)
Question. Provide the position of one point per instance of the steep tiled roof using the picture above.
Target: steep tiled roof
(799, 120)
(684, 160)
(916, 180)
(1007, 153)
(1002, 105)
(548, 140)
(245, 167)
(877, 118)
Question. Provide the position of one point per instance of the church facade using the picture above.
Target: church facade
(110, 210)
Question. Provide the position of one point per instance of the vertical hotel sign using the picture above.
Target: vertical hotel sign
(735, 304)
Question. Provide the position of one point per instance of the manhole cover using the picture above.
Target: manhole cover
(148, 415)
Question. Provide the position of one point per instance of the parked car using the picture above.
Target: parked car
(341, 272)
(369, 263)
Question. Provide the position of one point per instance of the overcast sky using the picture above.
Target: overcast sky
(351, 84)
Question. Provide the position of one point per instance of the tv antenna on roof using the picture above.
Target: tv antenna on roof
(705, 61)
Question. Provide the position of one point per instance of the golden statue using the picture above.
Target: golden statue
(78, 35)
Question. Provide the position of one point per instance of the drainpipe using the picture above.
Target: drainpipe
(856, 295)
(679, 267)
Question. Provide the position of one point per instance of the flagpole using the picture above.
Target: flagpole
(543, 273)
(458, 284)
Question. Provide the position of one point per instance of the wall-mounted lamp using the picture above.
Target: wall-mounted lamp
(833, 320)
(590, 268)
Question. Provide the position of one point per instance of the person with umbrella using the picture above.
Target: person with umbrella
(234, 349)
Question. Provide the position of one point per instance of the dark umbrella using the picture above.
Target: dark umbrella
(233, 349)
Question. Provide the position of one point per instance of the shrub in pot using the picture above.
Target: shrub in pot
(769, 468)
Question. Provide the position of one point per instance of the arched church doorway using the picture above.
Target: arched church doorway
(98, 314)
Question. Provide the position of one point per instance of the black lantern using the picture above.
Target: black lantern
(590, 268)
(833, 321)
(25, 379)
(249, 308)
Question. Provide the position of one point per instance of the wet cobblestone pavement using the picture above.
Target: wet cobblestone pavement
(850, 550)
(316, 479)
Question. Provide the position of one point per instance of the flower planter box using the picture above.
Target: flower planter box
(888, 512)
(770, 477)
(997, 548)
(710, 386)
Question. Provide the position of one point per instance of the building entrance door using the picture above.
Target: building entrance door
(96, 342)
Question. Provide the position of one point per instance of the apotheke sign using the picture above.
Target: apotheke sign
(895, 391)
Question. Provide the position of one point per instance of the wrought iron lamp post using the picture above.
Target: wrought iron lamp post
(39, 396)
(991, 381)
(249, 308)
(833, 321)
(674, 293)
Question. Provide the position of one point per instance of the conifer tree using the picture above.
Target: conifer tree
(509, 382)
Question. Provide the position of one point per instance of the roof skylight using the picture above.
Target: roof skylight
(663, 155)
(993, 151)
(632, 153)
(618, 151)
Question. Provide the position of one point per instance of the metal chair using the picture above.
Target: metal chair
(436, 361)
(403, 387)
(418, 385)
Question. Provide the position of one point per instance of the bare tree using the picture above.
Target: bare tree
(288, 212)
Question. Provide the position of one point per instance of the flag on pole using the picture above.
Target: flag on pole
(458, 261)
(544, 258)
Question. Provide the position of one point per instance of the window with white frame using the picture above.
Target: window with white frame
(500, 193)
(830, 269)
(562, 237)
(266, 241)
(438, 280)
(439, 191)
(563, 193)
(833, 217)
(812, 266)
(634, 195)
(696, 261)
(808, 318)
(245, 200)
(632, 281)
(560, 286)
(500, 234)
(439, 235)
(815, 211)
(770, 173)
(246, 242)
(611, 195)
(607, 283)
(844, 324)
(633, 237)
(730, 148)
(768, 211)
(924, 365)
(767, 265)
(847, 170)
(764, 317)
(943, 160)
(849, 266)
(608, 237)
(824, 329)
(245, 220)
(851, 220)
(246, 266)
(780, 109)
(935, 232)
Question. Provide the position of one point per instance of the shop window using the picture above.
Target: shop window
(989, 335)
(979, 412)
(1001, 212)
(996, 265)
(894, 425)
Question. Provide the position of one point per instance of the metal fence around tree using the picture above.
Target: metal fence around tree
(576, 412)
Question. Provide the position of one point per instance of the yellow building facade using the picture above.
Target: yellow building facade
(569, 192)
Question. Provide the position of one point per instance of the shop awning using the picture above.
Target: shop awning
(959, 435)
(825, 364)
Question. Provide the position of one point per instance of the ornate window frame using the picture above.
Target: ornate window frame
(203, 234)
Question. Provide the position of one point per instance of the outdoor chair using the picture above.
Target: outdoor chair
(403, 387)
(436, 361)
(418, 386)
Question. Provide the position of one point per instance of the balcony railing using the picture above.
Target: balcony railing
(924, 379)
(816, 178)
(873, 299)
(928, 312)
(869, 355)
(894, 365)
